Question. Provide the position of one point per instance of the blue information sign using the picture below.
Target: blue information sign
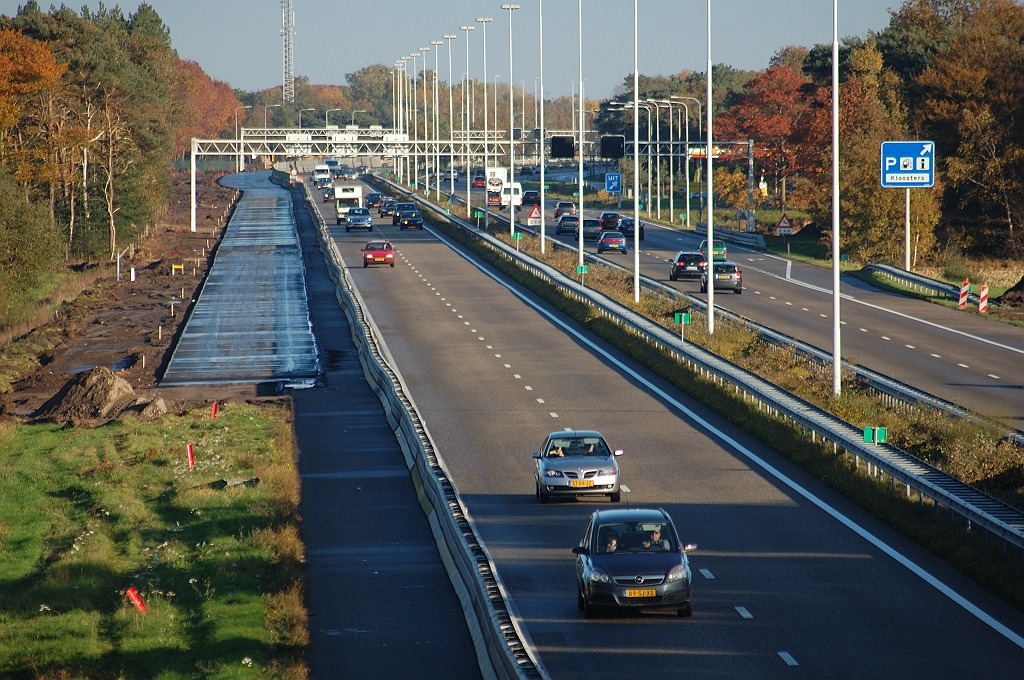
(613, 183)
(908, 164)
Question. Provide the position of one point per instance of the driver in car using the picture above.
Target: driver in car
(655, 542)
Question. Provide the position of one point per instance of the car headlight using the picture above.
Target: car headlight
(678, 573)
(606, 471)
(598, 576)
(552, 473)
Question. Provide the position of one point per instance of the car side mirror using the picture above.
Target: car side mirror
(618, 452)
(579, 550)
(689, 547)
(535, 454)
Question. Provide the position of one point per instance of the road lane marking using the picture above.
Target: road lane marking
(788, 303)
(480, 337)
(996, 377)
(529, 388)
(771, 297)
(497, 356)
(787, 657)
(508, 365)
(490, 347)
(540, 401)
(823, 316)
(937, 356)
(742, 450)
(743, 612)
(757, 292)
(804, 309)
(707, 574)
(863, 330)
(910, 346)
(465, 322)
(963, 365)
(886, 337)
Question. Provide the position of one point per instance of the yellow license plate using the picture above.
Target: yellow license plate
(723, 276)
(581, 482)
(641, 592)
(378, 259)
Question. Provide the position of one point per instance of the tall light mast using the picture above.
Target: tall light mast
(288, 31)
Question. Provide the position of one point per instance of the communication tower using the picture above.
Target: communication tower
(288, 31)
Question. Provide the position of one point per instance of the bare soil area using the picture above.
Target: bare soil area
(126, 326)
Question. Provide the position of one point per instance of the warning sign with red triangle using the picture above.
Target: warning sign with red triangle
(784, 227)
(533, 219)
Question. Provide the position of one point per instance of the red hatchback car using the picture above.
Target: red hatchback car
(479, 181)
(378, 252)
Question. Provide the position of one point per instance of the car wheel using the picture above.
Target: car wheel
(703, 288)
(687, 611)
(542, 495)
(348, 229)
(581, 602)
(401, 228)
(625, 251)
(339, 223)
(615, 497)
(589, 611)
(364, 265)
(739, 291)
(671, 277)
(392, 265)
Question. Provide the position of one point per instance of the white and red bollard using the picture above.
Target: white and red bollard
(965, 288)
(983, 299)
(136, 599)
(213, 414)
(191, 457)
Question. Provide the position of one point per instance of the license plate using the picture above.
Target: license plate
(691, 269)
(378, 259)
(641, 592)
(723, 276)
(581, 482)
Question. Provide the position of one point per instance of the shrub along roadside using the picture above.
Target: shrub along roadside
(86, 514)
(1003, 575)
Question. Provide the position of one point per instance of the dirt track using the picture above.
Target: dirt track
(127, 326)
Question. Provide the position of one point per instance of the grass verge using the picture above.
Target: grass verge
(86, 514)
(974, 452)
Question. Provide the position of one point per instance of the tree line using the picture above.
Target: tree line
(93, 105)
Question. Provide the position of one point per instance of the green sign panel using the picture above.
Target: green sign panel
(575, 194)
(581, 269)
(517, 235)
(547, 187)
(478, 214)
(876, 435)
(683, 317)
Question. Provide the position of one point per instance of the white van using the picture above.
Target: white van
(321, 173)
(514, 193)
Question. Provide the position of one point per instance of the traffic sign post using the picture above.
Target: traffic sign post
(683, 318)
(908, 165)
(784, 227)
(517, 236)
(613, 183)
(581, 269)
(533, 219)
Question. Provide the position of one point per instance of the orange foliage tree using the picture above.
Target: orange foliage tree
(27, 67)
(207, 106)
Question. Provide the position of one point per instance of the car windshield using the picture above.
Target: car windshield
(570, 218)
(405, 206)
(559, 447)
(358, 211)
(634, 537)
(725, 269)
(595, 224)
(610, 235)
(378, 245)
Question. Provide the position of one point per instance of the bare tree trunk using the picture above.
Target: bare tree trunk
(108, 188)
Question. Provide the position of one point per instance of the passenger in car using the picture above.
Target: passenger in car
(611, 542)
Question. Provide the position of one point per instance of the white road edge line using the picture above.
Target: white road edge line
(899, 557)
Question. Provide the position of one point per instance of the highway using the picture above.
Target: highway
(787, 572)
(975, 362)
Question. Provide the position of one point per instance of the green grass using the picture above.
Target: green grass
(87, 513)
(973, 453)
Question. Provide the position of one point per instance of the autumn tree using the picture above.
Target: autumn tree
(206, 106)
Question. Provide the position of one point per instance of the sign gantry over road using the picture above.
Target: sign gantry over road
(908, 165)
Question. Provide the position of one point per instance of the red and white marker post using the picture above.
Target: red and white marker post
(136, 599)
(191, 457)
(965, 288)
(983, 299)
(213, 413)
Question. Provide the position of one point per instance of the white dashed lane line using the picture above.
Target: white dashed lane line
(707, 574)
(994, 377)
(788, 658)
(742, 611)
(910, 347)
(963, 365)
(937, 356)
(886, 337)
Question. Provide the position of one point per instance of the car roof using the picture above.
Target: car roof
(613, 234)
(632, 515)
(575, 433)
(378, 244)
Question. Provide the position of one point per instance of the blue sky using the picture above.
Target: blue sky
(239, 40)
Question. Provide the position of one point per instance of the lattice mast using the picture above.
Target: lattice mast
(288, 31)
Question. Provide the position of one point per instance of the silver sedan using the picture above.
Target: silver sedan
(576, 463)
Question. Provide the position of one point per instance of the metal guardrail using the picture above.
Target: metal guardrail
(500, 644)
(961, 499)
(741, 237)
(910, 279)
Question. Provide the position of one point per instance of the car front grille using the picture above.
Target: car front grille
(570, 474)
(649, 580)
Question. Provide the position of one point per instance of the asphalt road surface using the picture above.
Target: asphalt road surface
(963, 358)
(787, 572)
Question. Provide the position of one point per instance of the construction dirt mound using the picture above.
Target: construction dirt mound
(96, 394)
(1014, 297)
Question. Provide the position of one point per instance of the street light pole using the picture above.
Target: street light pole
(686, 160)
(437, 146)
(426, 123)
(511, 127)
(353, 120)
(579, 27)
(540, 141)
(414, 174)
(657, 149)
(300, 116)
(241, 156)
(327, 122)
(836, 327)
(636, 162)
(268, 106)
(451, 116)
(711, 194)
(466, 125)
(485, 21)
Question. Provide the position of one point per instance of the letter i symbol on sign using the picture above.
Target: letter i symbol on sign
(923, 163)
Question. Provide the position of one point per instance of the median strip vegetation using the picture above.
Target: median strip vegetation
(214, 552)
(978, 455)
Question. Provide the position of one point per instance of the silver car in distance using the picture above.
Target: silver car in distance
(576, 463)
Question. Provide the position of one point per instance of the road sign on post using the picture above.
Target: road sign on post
(784, 227)
(908, 165)
(533, 219)
(613, 183)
